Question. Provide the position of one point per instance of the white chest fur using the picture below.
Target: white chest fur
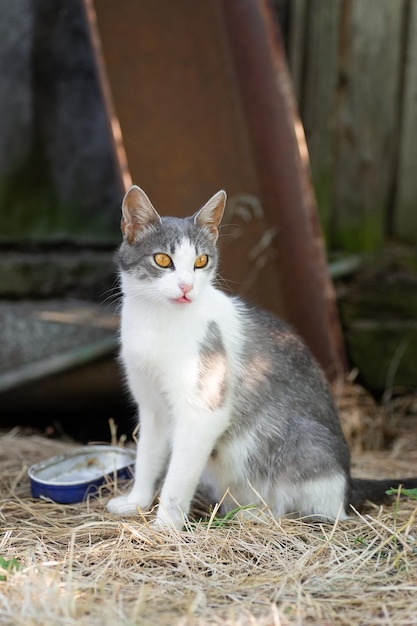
(162, 344)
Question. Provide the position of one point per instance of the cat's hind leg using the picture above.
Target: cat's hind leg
(322, 498)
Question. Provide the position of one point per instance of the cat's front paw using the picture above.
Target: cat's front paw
(123, 505)
(168, 520)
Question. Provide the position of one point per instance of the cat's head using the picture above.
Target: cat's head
(168, 260)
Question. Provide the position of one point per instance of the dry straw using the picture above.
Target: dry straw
(75, 564)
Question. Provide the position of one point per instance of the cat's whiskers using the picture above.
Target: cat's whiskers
(112, 297)
(232, 234)
(225, 283)
(146, 294)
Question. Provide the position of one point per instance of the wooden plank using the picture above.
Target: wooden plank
(318, 99)
(405, 207)
(379, 312)
(368, 117)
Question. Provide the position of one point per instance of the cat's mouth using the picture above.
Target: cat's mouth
(183, 300)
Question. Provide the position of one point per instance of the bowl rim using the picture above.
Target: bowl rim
(80, 451)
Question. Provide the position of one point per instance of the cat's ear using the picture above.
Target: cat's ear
(210, 215)
(137, 213)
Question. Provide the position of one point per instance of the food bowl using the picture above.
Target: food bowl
(71, 477)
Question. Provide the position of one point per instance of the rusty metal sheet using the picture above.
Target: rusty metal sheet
(281, 154)
(198, 99)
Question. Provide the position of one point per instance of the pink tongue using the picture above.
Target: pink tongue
(183, 299)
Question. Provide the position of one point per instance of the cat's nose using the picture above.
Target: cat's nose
(185, 287)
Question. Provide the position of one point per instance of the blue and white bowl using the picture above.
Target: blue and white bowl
(71, 477)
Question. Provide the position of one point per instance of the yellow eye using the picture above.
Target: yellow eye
(163, 260)
(201, 261)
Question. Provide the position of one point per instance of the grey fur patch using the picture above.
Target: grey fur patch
(212, 377)
(283, 406)
(164, 237)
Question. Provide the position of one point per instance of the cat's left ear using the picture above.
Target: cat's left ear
(210, 215)
(137, 213)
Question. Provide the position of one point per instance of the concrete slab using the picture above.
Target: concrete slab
(45, 337)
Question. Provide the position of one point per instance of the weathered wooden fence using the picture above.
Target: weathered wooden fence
(354, 65)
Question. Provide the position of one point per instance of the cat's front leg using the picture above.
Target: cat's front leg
(151, 458)
(195, 437)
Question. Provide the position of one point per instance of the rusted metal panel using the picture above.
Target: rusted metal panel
(283, 172)
(171, 80)
(203, 99)
(171, 93)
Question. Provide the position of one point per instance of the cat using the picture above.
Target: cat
(229, 396)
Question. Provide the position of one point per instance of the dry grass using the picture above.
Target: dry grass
(81, 566)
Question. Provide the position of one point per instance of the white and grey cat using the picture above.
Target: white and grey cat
(228, 395)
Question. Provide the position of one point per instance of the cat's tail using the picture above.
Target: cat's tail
(363, 489)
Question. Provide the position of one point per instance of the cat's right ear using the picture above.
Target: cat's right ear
(137, 213)
(210, 215)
